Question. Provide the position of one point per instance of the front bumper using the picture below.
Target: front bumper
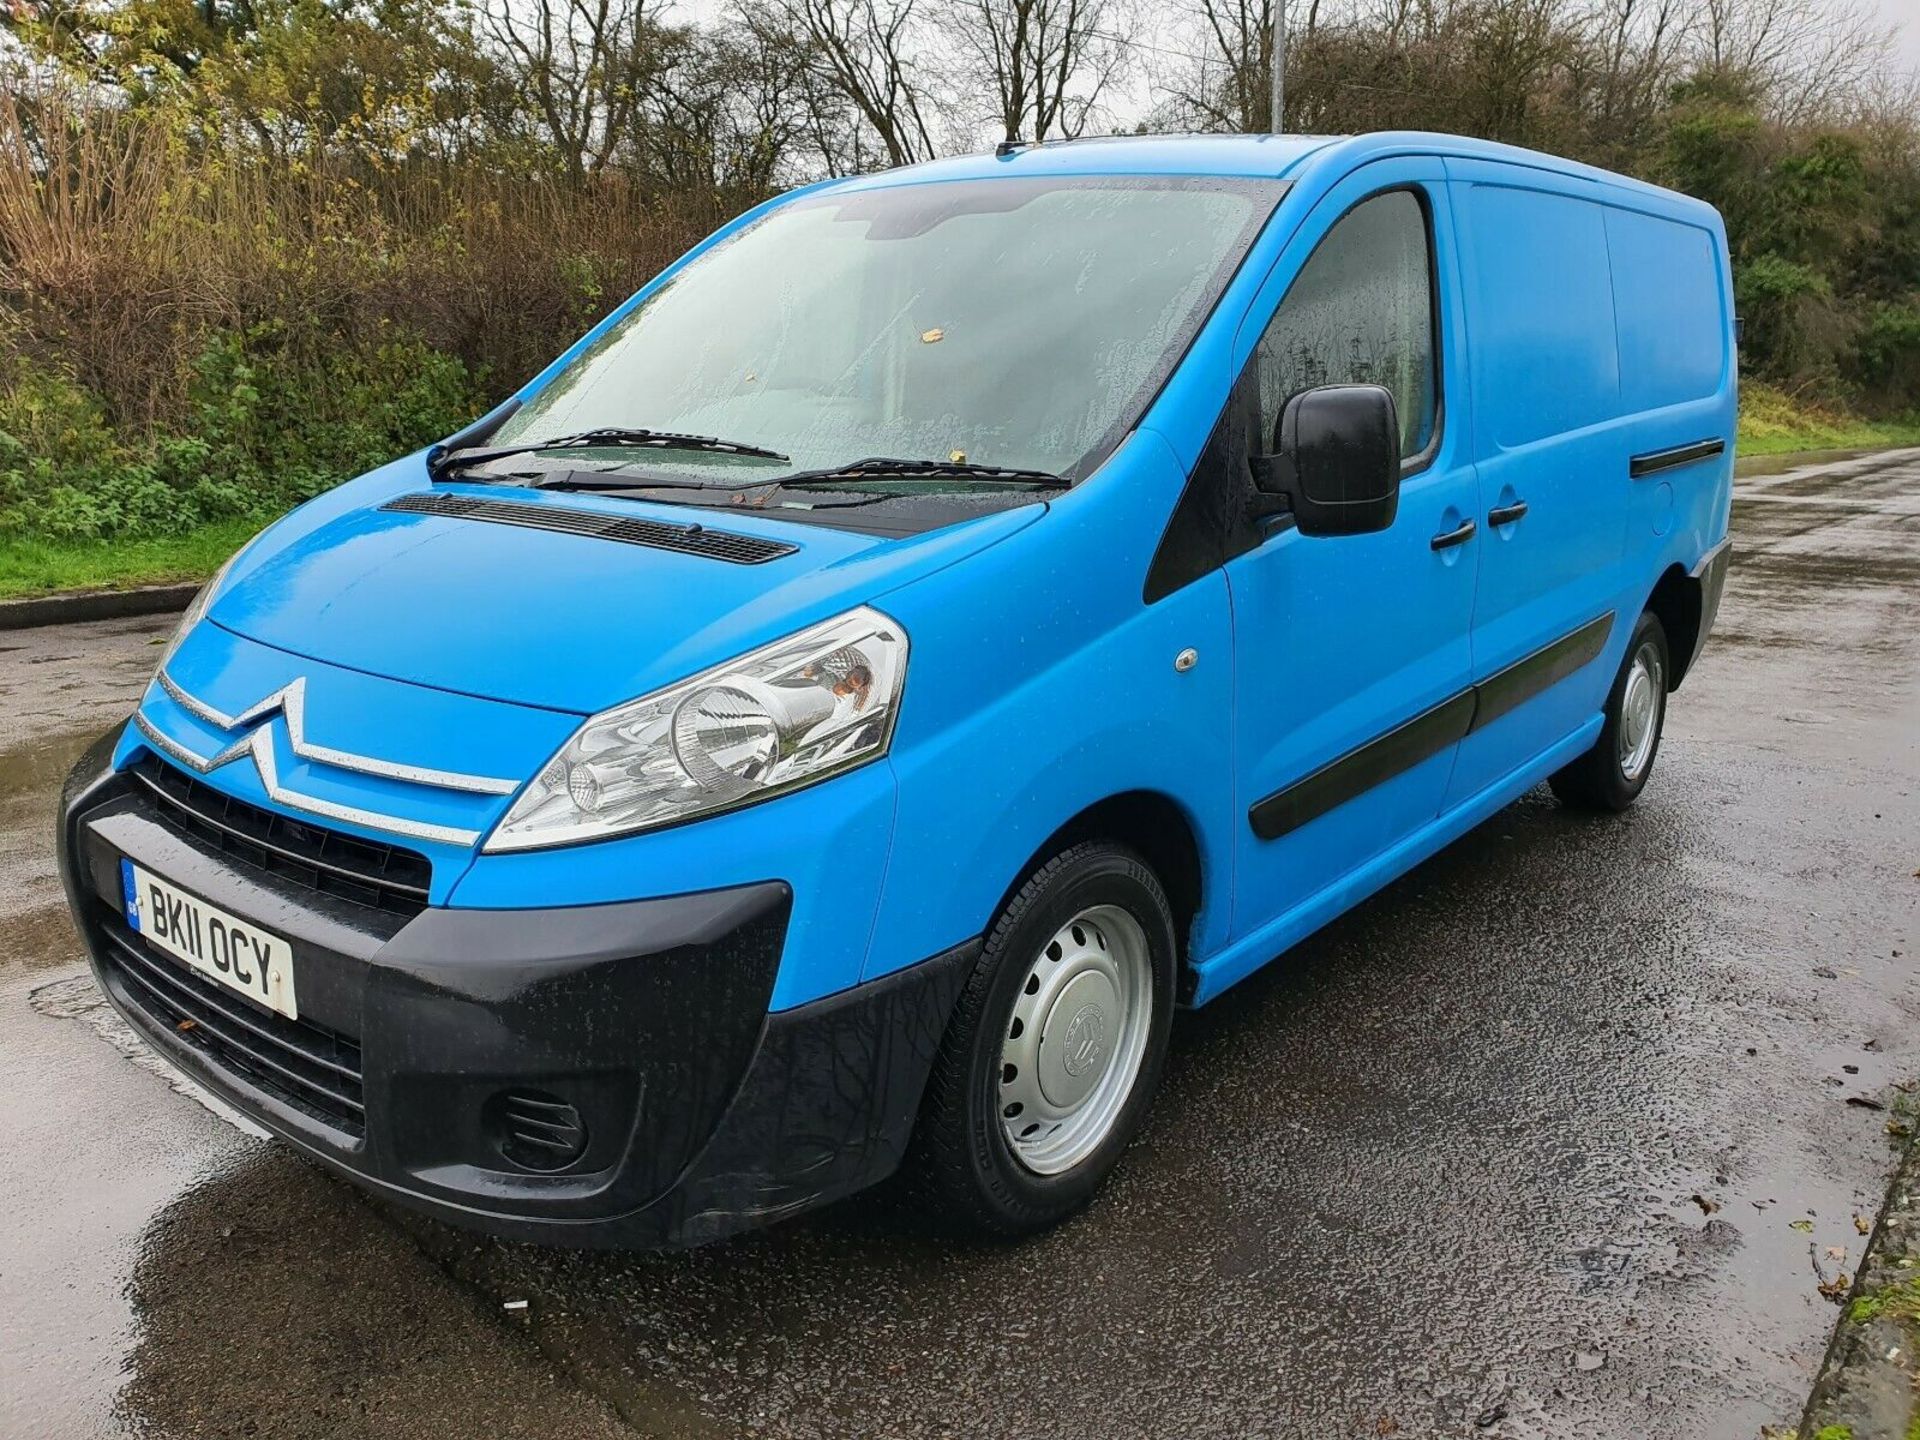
(589, 1075)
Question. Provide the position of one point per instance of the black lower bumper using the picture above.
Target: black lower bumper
(592, 1075)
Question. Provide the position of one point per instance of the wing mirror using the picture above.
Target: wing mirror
(1336, 461)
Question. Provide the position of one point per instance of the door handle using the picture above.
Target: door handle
(1506, 514)
(1458, 536)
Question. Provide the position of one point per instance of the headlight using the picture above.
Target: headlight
(786, 715)
(197, 607)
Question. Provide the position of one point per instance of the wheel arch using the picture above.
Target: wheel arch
(1151, 822)
(1677, 602)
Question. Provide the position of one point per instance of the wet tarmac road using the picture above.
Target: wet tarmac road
(1552, 1138)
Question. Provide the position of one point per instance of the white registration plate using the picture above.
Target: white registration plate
(235, 952)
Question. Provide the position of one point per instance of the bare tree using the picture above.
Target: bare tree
(1045, 63)
(1806, 56)
(731, 111)
(583, 66)
(1230, 84)
(829, 133)
(865, 50)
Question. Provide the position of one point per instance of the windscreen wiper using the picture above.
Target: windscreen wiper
(889, 468)
(442, 463)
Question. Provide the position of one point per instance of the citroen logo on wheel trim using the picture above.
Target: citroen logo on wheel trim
(1086, 1039)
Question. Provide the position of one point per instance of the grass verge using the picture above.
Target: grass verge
(38, 567)
(1774, 422)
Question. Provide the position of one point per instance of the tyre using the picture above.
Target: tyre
(1055, 1046)
(1612, 774)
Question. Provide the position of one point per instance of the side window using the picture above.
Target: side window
(1359, 312)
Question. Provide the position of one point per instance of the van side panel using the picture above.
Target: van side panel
(1042, 684)
(1668, 311)
(1672, 303)
(1541, 313)
(1351, 654)
(1600, 323)
(1546, 396)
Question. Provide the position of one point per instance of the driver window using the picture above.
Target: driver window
(1360, 312)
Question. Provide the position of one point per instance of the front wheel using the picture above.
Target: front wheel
(1055, 1046)
(1612, 774)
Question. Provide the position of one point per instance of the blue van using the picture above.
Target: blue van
(828, 721)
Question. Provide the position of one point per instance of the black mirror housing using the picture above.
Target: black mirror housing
(1336, 460)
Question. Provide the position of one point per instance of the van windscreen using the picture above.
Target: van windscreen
(1008, 322)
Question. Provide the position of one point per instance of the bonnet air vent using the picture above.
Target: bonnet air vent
(656, 535)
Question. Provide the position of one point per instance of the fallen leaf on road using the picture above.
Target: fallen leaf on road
(1836, 1288)
(1707, 1207)
(1836, 1252)
(1805, 1227)
(1862, 1224)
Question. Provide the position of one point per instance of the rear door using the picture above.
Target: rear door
(1548, 451)
(1351, 653)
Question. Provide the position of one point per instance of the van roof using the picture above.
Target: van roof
(1255, 156)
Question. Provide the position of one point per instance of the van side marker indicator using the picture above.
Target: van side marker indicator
(1428, 733)
(1654, 461)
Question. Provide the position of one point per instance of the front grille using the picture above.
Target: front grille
(367, 872)
(309, 1067)
(656, 535)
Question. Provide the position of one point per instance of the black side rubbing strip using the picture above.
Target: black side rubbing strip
(1654, 461)
(1427, 734)
(1524, 679)
(1358, 771)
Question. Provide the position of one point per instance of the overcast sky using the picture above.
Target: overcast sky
(1905, 14)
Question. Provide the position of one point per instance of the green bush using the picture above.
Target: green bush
(1888, 355)
(270, 427)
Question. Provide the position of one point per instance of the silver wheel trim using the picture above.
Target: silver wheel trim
(1075, 1040)
(1640, 711)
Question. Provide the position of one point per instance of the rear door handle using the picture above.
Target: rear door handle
(1506, 514)
(1454, 537)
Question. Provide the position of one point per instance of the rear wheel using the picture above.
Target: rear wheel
(1055, 1047)
(1612, 774)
